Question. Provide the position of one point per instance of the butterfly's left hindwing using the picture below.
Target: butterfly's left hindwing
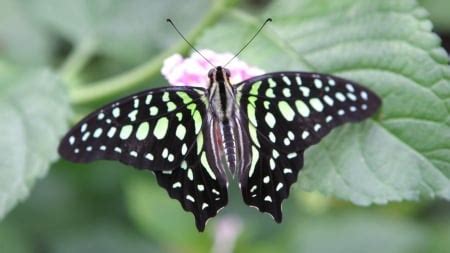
(288, 112)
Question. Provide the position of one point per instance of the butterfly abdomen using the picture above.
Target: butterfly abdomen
(229, 145)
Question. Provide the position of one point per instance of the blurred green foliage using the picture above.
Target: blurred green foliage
(56, 52)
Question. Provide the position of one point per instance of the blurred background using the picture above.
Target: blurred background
(107, 207)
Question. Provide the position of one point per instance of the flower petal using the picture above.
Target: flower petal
(193, 70)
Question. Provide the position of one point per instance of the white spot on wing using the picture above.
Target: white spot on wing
(316, 104)
(132, 115)
(180, 132)
(268, 199)
(85, 136)
(287, 80)
(111, 132)
(328, 100)
(287, 92)
(149, 156)
(71, 140)
(184, 149)
(305, 135)
(279, 186)
(190, 174)
(305, 91)
(364, 95)
(318, 83)
(317, 127)
(270, 119)
(153, 110)
(148, 99)
(83, 127)
(272, 137)
(116, 112)
(287, 171)
(350, 87)
(292, 155)
(98, 132)
(340, 96)
(272, 164)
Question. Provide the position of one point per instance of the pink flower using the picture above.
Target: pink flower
(227, 231)
(193, 71)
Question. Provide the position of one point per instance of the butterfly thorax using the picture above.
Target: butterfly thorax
(223, 112)
(221, 94)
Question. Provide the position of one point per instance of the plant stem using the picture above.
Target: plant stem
(122, 82)
(77, 59)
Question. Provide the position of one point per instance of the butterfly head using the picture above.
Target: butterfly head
(219, 74)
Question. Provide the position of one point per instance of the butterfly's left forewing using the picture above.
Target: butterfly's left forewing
(286, 113)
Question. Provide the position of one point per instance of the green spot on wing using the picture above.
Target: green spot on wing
(185, 97)
(255, 88)
(286, 110)
(205, 164)
(142, 131)
(161, 128)
(125, 132)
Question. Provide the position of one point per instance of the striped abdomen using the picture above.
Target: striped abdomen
(229, 145)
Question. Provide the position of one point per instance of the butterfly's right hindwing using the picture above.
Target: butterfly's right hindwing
(150, 130)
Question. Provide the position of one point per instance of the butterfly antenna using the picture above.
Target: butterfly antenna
(256, 34)
(178, 31)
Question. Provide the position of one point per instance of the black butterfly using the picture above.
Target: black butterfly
(189, 137)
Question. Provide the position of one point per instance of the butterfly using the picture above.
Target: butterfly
(192, 138)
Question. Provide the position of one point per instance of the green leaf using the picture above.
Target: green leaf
(356, 232)
(12, 241)
(130, 31)
(438, 13)
(162, 218)
(404, 152)
(101, 237)
(21, 40)
(33, 114)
